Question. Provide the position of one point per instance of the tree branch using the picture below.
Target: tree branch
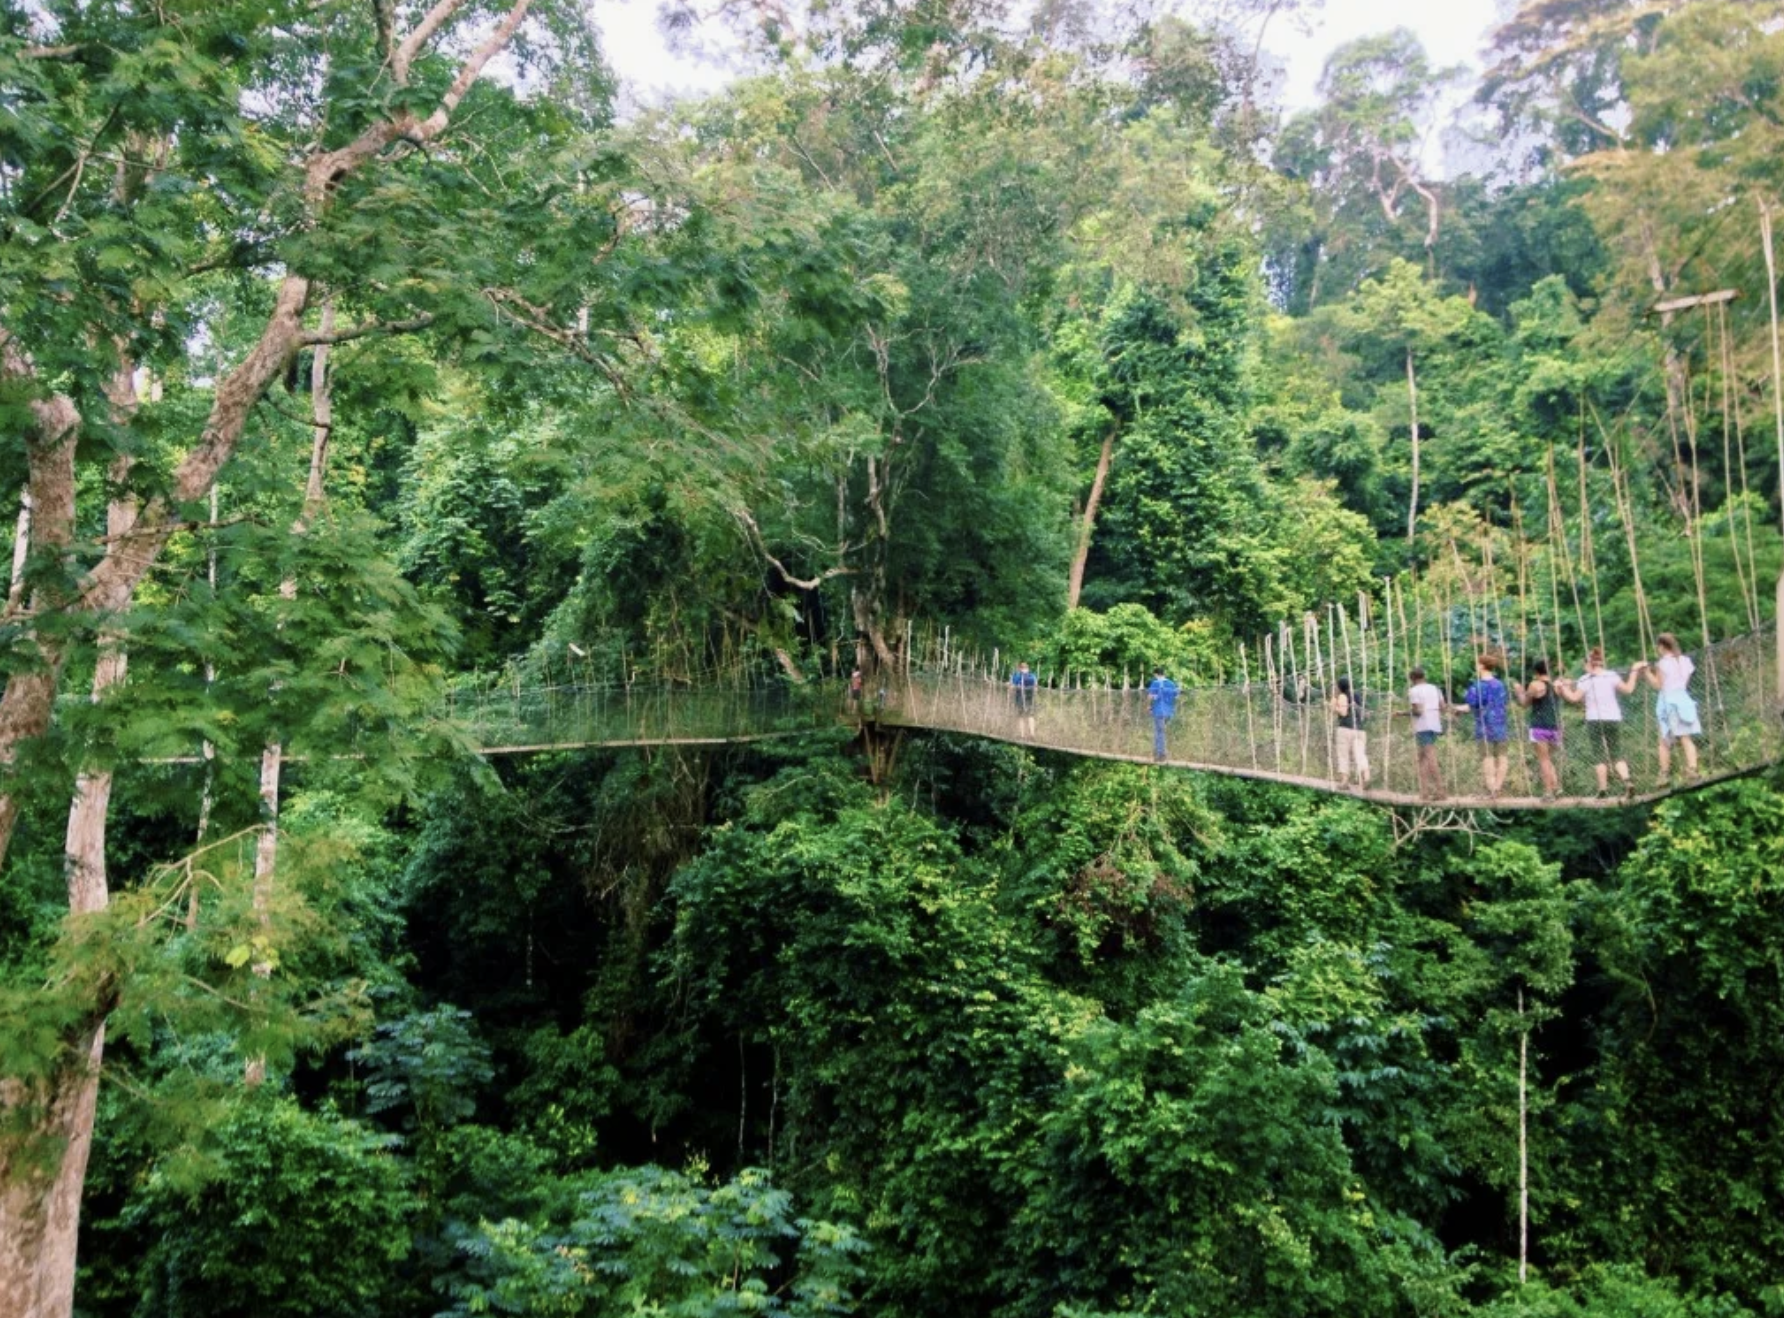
(754, 532)
(313, 338)
(410, 46)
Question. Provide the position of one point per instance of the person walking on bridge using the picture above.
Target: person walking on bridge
(1542, 698)
(1350, 742)
(1489, 701)
(1597, 689)
(1427, 726)
(1022, 692)
(1674, 709)
(1161, 699)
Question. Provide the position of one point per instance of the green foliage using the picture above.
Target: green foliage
(1185, 1169)
(1125, 643)
(1673, 1132)
(1610, 1292)
(750, 386)
(1106, 864)
(661, 1243)
(299, 1213)
(428, 1066)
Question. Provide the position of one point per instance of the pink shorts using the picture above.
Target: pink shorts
(1548, 736)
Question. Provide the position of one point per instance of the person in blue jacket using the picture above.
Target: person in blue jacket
(1488, 700)
(1022, 690)
(1161, 699)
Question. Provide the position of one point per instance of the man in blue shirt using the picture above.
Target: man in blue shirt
(1022, 688)
(1161, 699)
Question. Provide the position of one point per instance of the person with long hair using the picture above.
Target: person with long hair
(1540, 697)
(1674, 709)
(1597, 689)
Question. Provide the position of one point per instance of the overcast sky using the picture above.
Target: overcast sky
(1452, 30)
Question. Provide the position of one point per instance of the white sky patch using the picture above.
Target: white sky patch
(1453, 32)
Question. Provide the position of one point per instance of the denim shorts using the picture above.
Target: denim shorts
(1427, 738)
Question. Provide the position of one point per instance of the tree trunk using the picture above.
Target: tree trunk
(49, 486)
(867, 596)
(1412, 403)
(1081, 554)
(21, 545)
(42, 1170)
(110, 586)
(42, 1210)
(46, 1122)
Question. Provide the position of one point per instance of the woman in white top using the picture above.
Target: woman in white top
(1598, 690)
(1427, 726)
(1674, 709)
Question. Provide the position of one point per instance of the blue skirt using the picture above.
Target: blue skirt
(1677, 715)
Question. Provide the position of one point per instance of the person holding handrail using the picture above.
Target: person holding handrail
(1674, 709)
(1489, 701)
(1597, 689)
(1541, 697)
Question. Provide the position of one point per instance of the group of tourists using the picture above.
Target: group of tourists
(1488, 699)
(1598, 690)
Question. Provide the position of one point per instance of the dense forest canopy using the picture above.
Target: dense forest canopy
(358, 354)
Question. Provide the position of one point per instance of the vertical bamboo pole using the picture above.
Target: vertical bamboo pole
(1771, 290)
(1523, 1143)
(1387, 729)
(1275, 691)
(1245, 694)
(1449, 691)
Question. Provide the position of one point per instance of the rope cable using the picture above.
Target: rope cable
(1589, 555)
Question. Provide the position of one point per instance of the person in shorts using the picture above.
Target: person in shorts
(1490, 703)
(1540, 696)
(1427, 726)
(1597, 689)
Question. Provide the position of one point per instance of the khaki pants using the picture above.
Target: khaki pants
(1353, 745)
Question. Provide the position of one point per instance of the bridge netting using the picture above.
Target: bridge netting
(1275, 727)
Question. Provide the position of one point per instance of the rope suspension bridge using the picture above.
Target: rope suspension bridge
(1482, 591)
(1271, 711)
(1277, 726)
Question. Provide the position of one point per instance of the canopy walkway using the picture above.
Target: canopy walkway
(1276, 729)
